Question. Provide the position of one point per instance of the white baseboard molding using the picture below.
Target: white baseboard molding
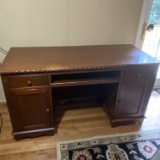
(3, 101)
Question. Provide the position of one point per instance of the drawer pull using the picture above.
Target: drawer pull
(29, 83)
(47, 110)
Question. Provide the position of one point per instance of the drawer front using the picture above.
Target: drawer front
(27, 81)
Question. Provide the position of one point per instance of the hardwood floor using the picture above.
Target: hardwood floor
(72, 124)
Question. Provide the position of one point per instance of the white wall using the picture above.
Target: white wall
(67, 22)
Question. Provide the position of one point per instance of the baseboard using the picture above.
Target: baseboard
(3, 101)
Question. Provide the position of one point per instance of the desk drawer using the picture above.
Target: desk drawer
(27, 81)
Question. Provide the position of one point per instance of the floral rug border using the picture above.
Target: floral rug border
(64, 146)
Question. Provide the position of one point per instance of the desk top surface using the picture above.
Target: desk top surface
(53, 59)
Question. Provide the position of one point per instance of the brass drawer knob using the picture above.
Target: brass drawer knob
(29, 83)
(47, 110)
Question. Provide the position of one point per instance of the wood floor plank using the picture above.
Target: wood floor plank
(72, 124)
(49, 154)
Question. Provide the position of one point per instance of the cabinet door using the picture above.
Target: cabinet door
(135, 90)
(31, 108)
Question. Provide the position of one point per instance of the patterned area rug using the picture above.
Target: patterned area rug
(131, 146)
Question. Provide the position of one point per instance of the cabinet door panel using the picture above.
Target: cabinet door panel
(32, 108)
(130, 99)
(136, 86)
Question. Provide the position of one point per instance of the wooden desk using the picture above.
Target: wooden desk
(35, 79)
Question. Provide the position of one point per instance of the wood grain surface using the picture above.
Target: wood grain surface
(47, 59)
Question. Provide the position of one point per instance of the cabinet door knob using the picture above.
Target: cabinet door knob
(47, 110)
(120, 101)
(29, 83)
(139, 75)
